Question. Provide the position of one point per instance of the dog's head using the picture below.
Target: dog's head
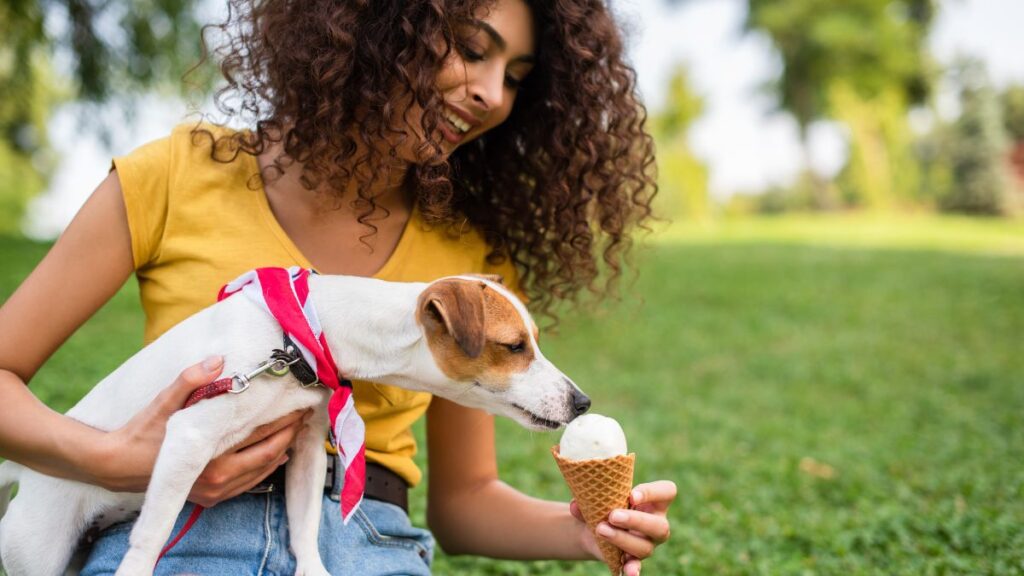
(483, 340)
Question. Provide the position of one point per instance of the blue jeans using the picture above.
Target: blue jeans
(248, 535)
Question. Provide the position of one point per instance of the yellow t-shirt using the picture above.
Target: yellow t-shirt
(197, 224)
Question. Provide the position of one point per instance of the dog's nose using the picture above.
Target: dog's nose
(580, 403)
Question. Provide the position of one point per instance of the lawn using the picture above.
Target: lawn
(832, 396)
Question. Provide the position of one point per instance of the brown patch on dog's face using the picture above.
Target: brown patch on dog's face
(488, 345)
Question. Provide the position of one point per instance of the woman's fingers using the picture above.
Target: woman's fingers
(237, 471)
(638, 531)
(631, 567)
(172, 398)
(653, 526)
(208, 494)
(574, 509)
(632, 544)
(653, 496)
(271, 448)
(269, 429)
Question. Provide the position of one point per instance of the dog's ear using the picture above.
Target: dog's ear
(457, 305)
(496, 278)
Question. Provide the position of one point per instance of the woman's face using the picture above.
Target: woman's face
(491, 57)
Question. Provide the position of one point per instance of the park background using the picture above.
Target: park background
(821, 340)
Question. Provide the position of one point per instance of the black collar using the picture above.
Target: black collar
(299, 367)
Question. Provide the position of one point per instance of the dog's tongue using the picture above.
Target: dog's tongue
(592, 436)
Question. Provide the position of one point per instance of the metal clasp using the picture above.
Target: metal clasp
(276, 367)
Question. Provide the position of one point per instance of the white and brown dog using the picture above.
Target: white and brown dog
(465, 338)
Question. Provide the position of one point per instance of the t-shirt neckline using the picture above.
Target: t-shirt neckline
(384, 272)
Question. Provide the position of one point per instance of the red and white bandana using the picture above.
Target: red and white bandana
(284, 294)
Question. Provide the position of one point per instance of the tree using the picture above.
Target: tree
(1012, 100)
(872, 47)
(682, 177)
(978, 147)
(89, 50)
(882, 170)
(1013, 117)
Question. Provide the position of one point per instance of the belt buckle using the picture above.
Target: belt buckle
(261, 488)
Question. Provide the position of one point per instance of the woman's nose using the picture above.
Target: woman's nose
(487, 88)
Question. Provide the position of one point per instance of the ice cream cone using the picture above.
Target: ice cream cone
(599, 485)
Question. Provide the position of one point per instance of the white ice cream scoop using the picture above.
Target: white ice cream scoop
(592, 436)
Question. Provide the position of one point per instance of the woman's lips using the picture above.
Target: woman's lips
(450, 133)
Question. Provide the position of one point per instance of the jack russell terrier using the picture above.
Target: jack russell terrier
(464, 338)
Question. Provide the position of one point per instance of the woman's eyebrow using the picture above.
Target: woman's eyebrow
(527, 58)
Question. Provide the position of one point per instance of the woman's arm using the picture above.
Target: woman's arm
(472, 512)
(86, 266)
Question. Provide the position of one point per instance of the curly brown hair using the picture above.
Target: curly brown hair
(558, 187)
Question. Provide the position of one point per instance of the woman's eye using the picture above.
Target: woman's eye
(469, 54)
(516, 348)
(513, 83)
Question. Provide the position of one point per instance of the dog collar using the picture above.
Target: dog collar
(299, 367)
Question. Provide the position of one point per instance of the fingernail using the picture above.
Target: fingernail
(605, 530)
(212, 363)
(617, 516)
(637, 496)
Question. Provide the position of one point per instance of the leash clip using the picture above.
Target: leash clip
(276, 367)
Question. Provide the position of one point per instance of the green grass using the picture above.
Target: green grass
(832, 396)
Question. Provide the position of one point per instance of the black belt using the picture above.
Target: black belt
(381, 484)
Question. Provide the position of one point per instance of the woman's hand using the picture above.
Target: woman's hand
(249, 462)
(133, 448)
(636, 531)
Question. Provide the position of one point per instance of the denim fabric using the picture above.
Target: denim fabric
(248, 535)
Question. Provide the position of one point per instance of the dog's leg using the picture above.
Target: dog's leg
(40, 528)
(304, 490)
(187, 448)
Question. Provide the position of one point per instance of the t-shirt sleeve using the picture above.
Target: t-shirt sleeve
(145, 184)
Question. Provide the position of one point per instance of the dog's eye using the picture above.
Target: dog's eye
(516, 348)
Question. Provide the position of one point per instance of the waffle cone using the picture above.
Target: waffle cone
(599, 486)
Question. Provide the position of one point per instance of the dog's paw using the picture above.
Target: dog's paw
(309, 570)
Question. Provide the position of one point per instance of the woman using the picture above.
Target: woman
(401, 140)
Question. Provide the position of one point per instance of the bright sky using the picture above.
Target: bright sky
(746, 145)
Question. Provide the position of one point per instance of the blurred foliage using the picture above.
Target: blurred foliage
(977, 147)
(840, 58)
(107, 48)
(19, 182)
(25, 160)
(88, 50)
(682, 177)
(931, 151)
(874, 46)
(1012, 100)
(881, 170)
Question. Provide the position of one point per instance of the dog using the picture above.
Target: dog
(465, 338)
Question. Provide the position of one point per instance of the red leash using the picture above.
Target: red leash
(196, 511)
